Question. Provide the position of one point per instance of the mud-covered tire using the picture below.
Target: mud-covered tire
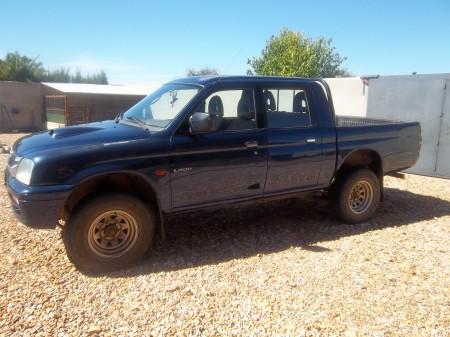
(109, 232)
(356, 196)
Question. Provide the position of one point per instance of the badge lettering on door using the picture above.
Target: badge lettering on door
(182, 169)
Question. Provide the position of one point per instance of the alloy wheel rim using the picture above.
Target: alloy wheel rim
(361, 197)
(112, 234)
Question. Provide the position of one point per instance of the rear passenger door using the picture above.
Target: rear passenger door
(293, 138)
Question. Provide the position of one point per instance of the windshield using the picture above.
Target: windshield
(161, 107)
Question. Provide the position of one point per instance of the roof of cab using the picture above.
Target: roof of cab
(204, 80)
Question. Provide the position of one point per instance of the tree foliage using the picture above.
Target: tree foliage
(202, 72)
(60, 75)
(292, 54)
(63, 75)
(15, 67)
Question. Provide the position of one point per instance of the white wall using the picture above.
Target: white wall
(349, 96)
(21, 106)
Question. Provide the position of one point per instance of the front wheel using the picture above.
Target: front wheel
(357, 196)
(108, 233)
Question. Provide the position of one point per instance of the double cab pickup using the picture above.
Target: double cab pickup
(200, 142)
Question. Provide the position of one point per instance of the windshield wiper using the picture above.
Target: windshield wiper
(137, 120)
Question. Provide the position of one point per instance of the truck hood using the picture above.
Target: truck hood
(93, 134)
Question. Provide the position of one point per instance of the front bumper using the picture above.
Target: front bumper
(38, 206)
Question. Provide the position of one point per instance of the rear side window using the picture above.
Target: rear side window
(287, 108)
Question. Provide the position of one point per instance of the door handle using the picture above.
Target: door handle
(310, 140)
(251, 144)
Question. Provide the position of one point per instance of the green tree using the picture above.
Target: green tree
(292, 54)
(16, 67)
(202, 71)
(60, 75)
(63, 75)
(97, 78)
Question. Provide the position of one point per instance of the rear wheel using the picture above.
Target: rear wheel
(357, 196)
(108, 233)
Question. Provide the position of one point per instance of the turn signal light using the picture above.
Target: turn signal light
(161, 172)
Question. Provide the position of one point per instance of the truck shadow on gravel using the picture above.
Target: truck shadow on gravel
(211, 237)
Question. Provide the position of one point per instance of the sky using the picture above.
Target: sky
(143, 42)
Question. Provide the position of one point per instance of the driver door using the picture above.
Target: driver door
(227, 164)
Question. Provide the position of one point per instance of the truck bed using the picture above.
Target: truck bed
(349, 121)
(397, 143)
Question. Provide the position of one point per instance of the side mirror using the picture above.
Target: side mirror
(200, 122)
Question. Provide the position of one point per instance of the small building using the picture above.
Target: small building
(72, 103)
(21, 106)
(32, 107)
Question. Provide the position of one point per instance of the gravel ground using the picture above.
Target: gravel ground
(284, 268)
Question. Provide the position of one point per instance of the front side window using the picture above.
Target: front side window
(286, 108)
(161, 107)
(230, 110)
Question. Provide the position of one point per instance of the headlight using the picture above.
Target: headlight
(13, 164)
(24, 171)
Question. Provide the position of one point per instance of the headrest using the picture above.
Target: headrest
(269, 100)
(245, 108)
(299, 102)
(215, 106)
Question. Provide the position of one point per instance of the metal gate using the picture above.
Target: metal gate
(56, 109)
(423, 98)
(443, 154)
(78, 115)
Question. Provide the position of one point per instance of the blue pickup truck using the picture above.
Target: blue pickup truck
(200, 142)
